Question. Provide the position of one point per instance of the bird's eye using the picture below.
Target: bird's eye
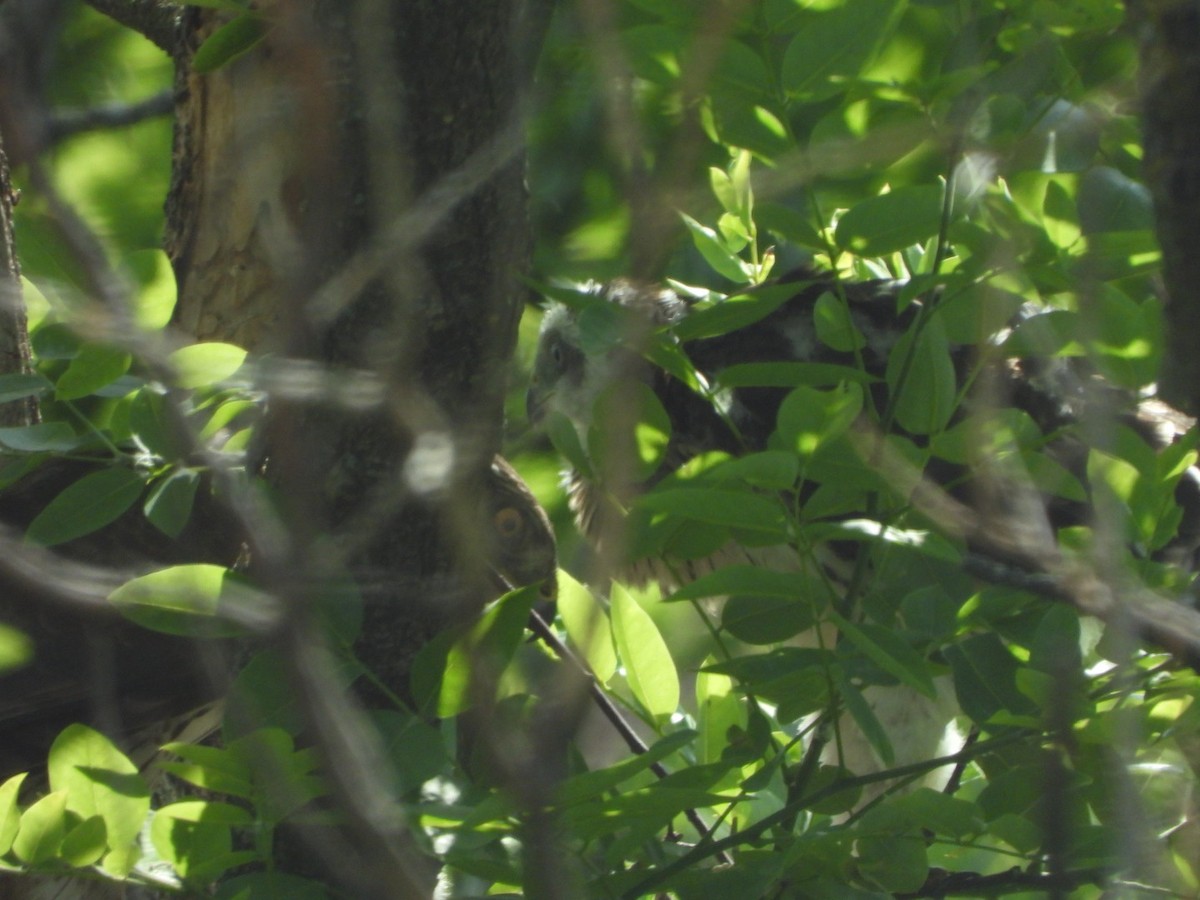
(556, 354)
(508, 522)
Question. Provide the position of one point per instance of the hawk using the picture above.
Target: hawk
(601, 352)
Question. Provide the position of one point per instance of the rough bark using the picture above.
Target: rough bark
(14, 337)
(1170, 78)
(348, 200)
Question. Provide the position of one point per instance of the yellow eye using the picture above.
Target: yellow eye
(508, 522)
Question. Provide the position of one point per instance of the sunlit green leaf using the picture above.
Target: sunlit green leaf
(43, 826)
(645, 657)
(908, 215)
(587, 625)
(192, 600)
(10, 811)
(201, 365)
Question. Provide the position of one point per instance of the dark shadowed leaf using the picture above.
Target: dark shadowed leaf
(89, 504)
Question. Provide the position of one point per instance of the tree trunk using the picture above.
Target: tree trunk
(1170, 79)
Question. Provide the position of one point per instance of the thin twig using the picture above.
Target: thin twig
(66, 123)
(156, 20)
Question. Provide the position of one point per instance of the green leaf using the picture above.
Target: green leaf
(55, 340)
(211, 811)
(587, 626)
(835, 326)
(46, 436)
(985, 678)
(864, 717)
(202, 365)
(192, 848)
(891, 222)
(834, 45)
(631, 432)
(888, 651)
(88, 505)
(94, 367)
(153, 425)
(765, 620)
(920, 376)
(894, 863)
(10, 811)
(791, 374)
(762, 516)
(746, 579)
(478, 658)
(587, 785)
(99, 780)
(715, 252)
(737, 311)
(1111, 201)
(193, 600)
(213, 769)
(649, 667)
(228, 42)
(84, 844)
(156, 296)
(768, 469)
(19, 385)
(271, 886)
(939, 813)
(169, 505)
(16, 649)
(42, 828)
(810, 417)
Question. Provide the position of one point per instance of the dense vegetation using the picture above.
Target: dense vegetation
(987, 157)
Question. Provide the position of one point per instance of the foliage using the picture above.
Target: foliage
(980, 154)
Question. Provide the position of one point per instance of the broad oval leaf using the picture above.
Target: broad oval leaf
(16, 649)
(42, 829)
(891, 222)
(649, 667)
(94, 367)
(810, 417)
(202, 365)
(88, 505)
(920, 376)
(484, 652)
(765, 620)
(194, 600)
(19, 385)
(84, 844)
(834, 45)
(99, 780)
(587, 626)
(631, 434)
(45, 436)
(715, 251)
(156, 296)
(733, 509)
(10, 811)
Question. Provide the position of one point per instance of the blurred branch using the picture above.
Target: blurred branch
(1017, 553)
(156, 20)
(66, 123)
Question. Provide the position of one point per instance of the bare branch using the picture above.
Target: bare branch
(157, 20)
(66, 123)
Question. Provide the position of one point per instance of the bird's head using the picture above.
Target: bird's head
(589, 341)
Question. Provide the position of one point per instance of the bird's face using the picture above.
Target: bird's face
(523, 548)
(565, 379)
